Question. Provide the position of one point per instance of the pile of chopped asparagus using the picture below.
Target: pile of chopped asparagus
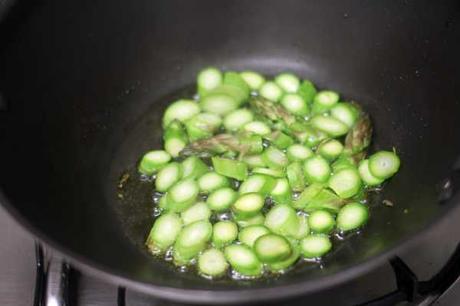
(257, 174)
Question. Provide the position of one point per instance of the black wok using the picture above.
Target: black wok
(83, 84)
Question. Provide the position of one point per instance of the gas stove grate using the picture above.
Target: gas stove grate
(409, 288)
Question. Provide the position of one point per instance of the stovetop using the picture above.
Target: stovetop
(420, 276)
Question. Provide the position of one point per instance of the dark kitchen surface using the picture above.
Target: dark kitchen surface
(17, 263)
(17, 275)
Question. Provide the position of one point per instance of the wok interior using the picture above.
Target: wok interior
(86, 84)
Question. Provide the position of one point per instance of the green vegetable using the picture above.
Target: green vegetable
(235, 120)
(272, 111)
(307, 91)
(211, 181)
(224, 233)
(324, 199)
(224, 144)
(271, 91)
(280, 140)
(249, 234)
(384, 164)
(212, 263)
(193, 167)
(168, 176)
(344, 161)
(202, 125)
(257, 127)
(248, 204)
(346, 113)
(282, 219)
(272, 248)
(254, 161)
(191, 240)
(234, 79)
(304, 228)
(164, 233)
(316, 169)
(330, 149)
(307, 195)
(282, 265)
(251, 144)
(222, 100)
(258, 219)
(230, 168)
(295, 176)
(345, 182)
(182, 195)
(253, 79)
(314, 246)
(307, 135)
(152, 161)
(175, 139)
(281, 193)
(180, 110)
(259, 183)
(163, 203)
(359, 137)
(270, 172)
(221, 199)
(324, 100)
(243, 260)
(366, 175)
(208, 79)
(298, 152)
(274, 158)
(196, 212)
(352, 216)
(321, 221)
(329, 125)
(288, 82)
(283, 171)
(295, 104)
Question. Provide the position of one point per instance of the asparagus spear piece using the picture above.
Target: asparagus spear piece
(325, 200)
(175, 138)
(359, 137)
(271, 111)
(222, 143)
